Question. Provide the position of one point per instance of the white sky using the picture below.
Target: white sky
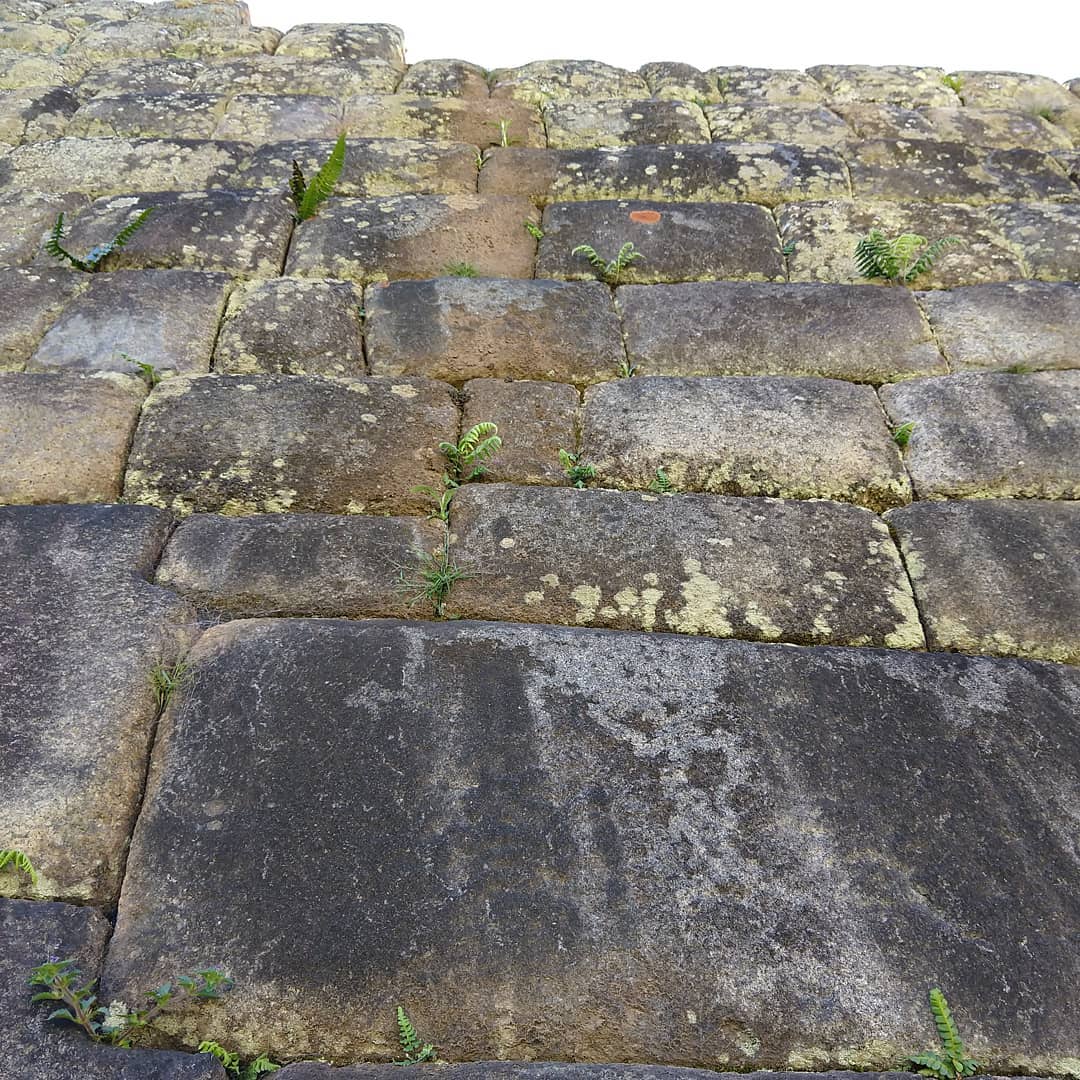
(1038, 37)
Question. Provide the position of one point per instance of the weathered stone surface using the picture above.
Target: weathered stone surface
(166, 318)
(896, 84)
(591, 818)
(81, 629)
(248, 444)
(297, 564)
(797, 438)
(260, 118)
(767, 173)
(32, 300)
(107, 42)
(774, 86)
(145, 77)
(535, 420)
(953, 172)
(180, 115)
(813, 573)
(1047, 238)
(560, 80)
(19, 70)
(739, 328)
(557, 1070)
(34, 38)
(585, 123)
(669, 80)
(822, 237)
(292, 327)
(1011, 90)
(467, 328)
(678, 240)
(35, 113)
(372, 166)
(1023, 324)
(104, 166)
(985, 434)
(215, 42)
(443, 119)
(445, 78)
(806, 125)
(64, 438)
(996, 576)
(412, 236)
(345, 42)
(185, 13)
(26, 218)
(33, 1049)
(878, 120)
(260, 74)
(239, 232)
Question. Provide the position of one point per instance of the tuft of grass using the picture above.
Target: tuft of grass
(953, 82)
(147, 372)
(413, 1051)
(14, 857)
(460, 269)
(626, 369)
(609, 271)
(91, 262)
(1046, 112)
(308, 197)
(902, 435)
(1019, 369)
(432, 578)
(167, 679)
(952, 1063)
(577, 472)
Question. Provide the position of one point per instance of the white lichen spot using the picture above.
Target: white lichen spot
(506, 542)
(404, 390)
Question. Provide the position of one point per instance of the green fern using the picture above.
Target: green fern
(54, 243)
(902, 435)
(953, 82)
(412, 1050)
(900, 260)
(167, 680)
(534, 230)
(577, 473)
(466, 457)
(952, 1062)
(20, 861)
(307, 197)
(149, 374)
(230, 1062)
(660, 483)
(609, 271)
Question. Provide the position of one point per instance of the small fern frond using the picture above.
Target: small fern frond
(131, 228)
(951, 1042)
(323, 182)
(590, 253)
(54, 246)
(905, 247)
(930, 1064)
(20, 861)
(259, 1067)
(534, 230)
(874, 257)
(930, 256)
(230, 1062)
(297, 185)
(410, 1041)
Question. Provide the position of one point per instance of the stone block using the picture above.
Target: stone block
(795, 438)
(261, 118)
(32, 300)
(290, 326)
(81, 631)
(64, 438)
(218, 42)
(412, 236)
(468, 328)
(1011, 90)
(451, 119)
(445, 78)
(671, 81)
(34, 37)
(249, 444)
(1046, 237)
(678, 240)
(813, 573)
(996, 576)
(145, 78)
(560, 80)
(1002, 128)
(181, 115)
(279, 74)
(345, 43)
(875, 120)
(19, 70)
(590, 818)
(804, 125)
(989, 435)
(314, 565)
(587, 123)
(770, 86)
(35, 113)
(894, 84)
(107, 42)
(26, 218)
(740, 328)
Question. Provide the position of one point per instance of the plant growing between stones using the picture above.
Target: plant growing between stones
(609, 271)
(626, 369)
(900, 260)
(432, 578)
(308, 197)
(166, 680)
(149, 374)
(660, 483)
(952, 1062)
(577, 472)
(953, 82)
(117, 1024)
(460, 269)
(15, 858)
(504, 133)
(231, 1063)
(89, 263)
(534, 230)
(902, 435)
(412, 1050)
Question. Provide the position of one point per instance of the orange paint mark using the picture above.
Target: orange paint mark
(645, 217)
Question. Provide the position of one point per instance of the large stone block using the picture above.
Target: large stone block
(452, 119)
(584, 123)
(804, 125)
(345, 42)
(261, 118)
(741, 328)
(467, 328)
(1011, 90)
(64, 438)
(247, 444)
(166, 318)
(997, 576)
(80, 632)
(35, 113)
(145, 78)
(789, 437)
(297, 564)
(445, 78)
(282, 74)
(897, 84)
(998, 128)
(181, 115)
(564, 821)
(19, 70)
(32, 300)
(212, 43)
(678, 240)
(1046, 237)
(414, 236)
(543, 81)
(985, 435)
(814, 573)
(25, 220)
(770, 86)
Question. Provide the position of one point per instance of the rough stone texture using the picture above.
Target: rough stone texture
(672, 81)
(1023, 324)
(149, 116)
(565, 821)
(535, 420)
(467, 328)
(976, 127)
(984, 434)
(806, 125)
(450, 119)
(560, 80)
(121, 38)
(80, 631)
(558, 1070)
(32, 300)
(35, 113)
(773, 86)
(740, 328)
(1011, 90)
(790, 437)
(1047, 238)
(26, 218)
(895, 84)
(166, 318)
(996, 576)
(19, 70)
(678, 240)
(584, 123)
(294, 75)
(345, 42)
(445, 78)
(293, 327)
(216, 42)
(823, 236)
(239, 232)
(953, 172)
(106, 166)
(33, 1049)
(248, 444)
(296, 564)
(259, 118)
(877, 120)
(813, 573)
(413, 236)
(146, 77)
(372, 166)
(768, 173)
(64, 438)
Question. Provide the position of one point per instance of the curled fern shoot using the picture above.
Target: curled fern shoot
(15, 858)
(467, 456)
(413, 1051)
(309, 196)
(952, 1062)
(900, 260)
(88, 264)
(609, 271)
